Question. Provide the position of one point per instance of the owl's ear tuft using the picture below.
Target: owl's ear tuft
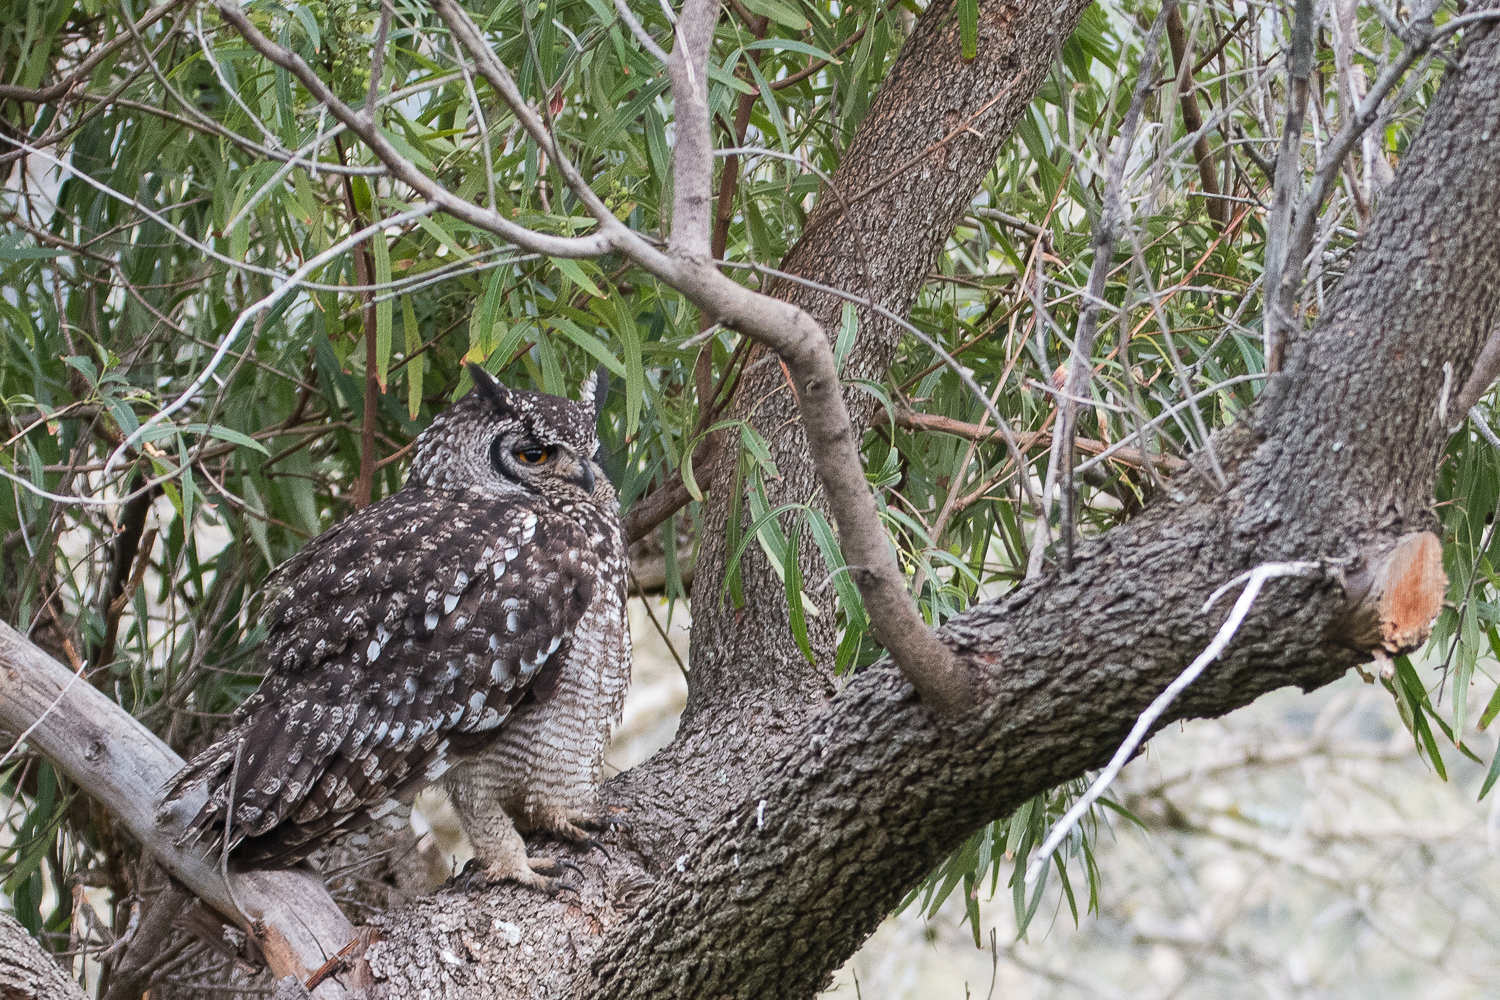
(595, 389)
(491, 389)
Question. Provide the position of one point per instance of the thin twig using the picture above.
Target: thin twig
(1111, 216)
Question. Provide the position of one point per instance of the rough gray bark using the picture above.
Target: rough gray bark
(784, 823)
(864, 795)
(28, 973)
(1341, 457)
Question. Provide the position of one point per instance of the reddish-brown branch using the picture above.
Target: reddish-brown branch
(1192, 119)
(364, 270)
(817, 64)
(729, 178)
(932, 423)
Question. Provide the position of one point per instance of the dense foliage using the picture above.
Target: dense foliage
(161, 455)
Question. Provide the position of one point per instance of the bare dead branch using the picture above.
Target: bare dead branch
(1111, 215)
(122, 764)
(1192, 118)
(1254, 580)
(1279, 261)
(934, 424)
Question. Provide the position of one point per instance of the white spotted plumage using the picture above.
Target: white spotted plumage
(429, 637)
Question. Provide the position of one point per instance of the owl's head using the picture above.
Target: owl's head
(498, 441)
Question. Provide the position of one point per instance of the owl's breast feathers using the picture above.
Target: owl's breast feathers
(404, 634)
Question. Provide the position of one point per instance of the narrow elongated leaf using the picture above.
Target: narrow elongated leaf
(415, 362)
(383, 308)
(968, 26)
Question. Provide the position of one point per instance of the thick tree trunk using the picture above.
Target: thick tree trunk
(1339, 463)
(864, 793)
(909, 175)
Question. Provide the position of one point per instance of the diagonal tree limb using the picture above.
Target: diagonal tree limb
(122, 764)
(403, 169)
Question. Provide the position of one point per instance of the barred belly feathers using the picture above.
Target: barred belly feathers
(469, 628)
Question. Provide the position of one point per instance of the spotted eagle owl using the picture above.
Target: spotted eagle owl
(470, 627)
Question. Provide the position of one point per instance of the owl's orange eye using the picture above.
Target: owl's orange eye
(533, 456)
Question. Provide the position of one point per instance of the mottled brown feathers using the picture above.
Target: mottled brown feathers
(403, 639)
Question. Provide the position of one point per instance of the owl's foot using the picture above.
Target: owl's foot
(577, 827)
(603, 822)
(534, 873)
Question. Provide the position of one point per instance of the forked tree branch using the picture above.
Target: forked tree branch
(1290, 234)
(803, 346)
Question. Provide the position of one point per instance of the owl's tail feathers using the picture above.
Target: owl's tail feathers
(214, 768)
(247, 764)
(290, 786)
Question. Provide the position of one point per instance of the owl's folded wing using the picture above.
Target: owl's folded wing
(411, 631)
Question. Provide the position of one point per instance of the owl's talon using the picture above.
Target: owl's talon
(603, 823)
(593, 844)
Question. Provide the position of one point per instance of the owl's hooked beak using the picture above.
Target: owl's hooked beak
(582, 476)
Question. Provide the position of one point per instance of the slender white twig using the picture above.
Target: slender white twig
(1482, 425)
(1254, 580)
(234, 94)
(484, 134)
(640, 33)
(292, 283)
